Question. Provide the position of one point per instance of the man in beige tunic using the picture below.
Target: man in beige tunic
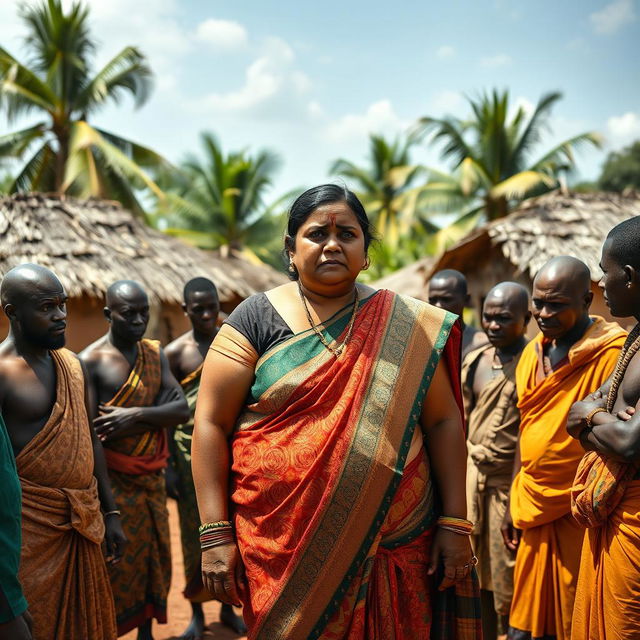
(489, 387)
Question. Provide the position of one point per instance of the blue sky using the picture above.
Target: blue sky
(310, 81)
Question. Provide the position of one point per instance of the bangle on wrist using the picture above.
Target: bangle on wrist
(589, 417)
(460, 526)
(114, 512)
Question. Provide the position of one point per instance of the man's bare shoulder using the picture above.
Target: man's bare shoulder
(98, 353)
(175, 348)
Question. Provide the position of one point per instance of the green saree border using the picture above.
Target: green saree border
(361, 556)
(277, 361)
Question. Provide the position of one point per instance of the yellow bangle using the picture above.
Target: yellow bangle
(589, 419)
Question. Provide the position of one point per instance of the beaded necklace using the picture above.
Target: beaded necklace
(630, 348)
(336, 351)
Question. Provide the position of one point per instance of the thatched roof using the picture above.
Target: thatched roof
(410, 280)
(90, 244)
(554, 224)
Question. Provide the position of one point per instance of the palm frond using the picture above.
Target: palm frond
(16, 143)
(128, 71)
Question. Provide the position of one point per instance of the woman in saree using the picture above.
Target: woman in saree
(329, 453)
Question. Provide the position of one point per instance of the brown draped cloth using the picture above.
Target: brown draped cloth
(141, 580)
(62, 567)
(493, 421)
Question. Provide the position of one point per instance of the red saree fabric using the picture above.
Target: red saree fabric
(318, 462)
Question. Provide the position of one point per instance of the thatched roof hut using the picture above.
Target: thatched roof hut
(515, 247)
(410, 280)
(90, 244)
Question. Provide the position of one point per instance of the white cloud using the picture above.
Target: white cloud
(380, 117)
(222, 34)
(268, 77)
(444, 52)
(493, 62)
(613, 16)
(446, 102)
(315, 110)
(623, 130)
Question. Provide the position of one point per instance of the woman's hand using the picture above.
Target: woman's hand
(223, 573)
(455, 552)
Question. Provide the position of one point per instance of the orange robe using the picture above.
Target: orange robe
(62, 567)
(607, 603)
(548, 558)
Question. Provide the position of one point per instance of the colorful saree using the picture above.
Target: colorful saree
(333, 530)
(140, 581)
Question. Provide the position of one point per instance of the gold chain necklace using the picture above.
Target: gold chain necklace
(340, 348)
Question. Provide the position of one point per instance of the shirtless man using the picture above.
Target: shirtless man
(44, 402)
(493, 419)
(186, 355)
(138, 400)
(607, 424)
(448, 290)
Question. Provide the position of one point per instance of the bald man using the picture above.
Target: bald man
(493, 419)
(44, 400)
(573, 354)
(607, 425)
(448, 291)
(137, 400)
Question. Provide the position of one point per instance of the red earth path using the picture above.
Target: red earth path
(179, 610)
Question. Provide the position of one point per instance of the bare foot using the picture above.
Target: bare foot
(195, 630)
(229, 618)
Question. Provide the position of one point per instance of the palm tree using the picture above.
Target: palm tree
(491, 154)
(387, 188)
(65, 153)
(218, 202)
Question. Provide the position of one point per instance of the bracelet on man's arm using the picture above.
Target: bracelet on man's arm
(115, 512)
(589, 417)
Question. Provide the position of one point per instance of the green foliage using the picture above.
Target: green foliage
(63, 153)
(491, 154)
(389, 189)
(621, 169)
(217, 201)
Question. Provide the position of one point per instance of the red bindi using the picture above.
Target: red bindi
(332, 219)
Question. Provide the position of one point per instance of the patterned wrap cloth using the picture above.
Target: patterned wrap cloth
(141, 580)
(62, 568)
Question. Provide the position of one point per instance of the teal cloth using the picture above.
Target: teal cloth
(12, 600)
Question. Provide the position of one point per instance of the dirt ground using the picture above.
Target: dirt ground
(179, 611)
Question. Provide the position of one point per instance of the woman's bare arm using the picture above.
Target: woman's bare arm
(442, 424)
(445, 440)
(222, 394)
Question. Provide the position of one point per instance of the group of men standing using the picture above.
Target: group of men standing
(553, 442)
(83, 452)
(553, 481)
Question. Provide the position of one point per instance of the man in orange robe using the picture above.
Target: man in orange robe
(606, 493)
(60, 464)
(574, 355)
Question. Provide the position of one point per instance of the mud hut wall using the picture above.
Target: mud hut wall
(86, 322)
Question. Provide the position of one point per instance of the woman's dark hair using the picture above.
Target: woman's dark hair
(306, 203)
